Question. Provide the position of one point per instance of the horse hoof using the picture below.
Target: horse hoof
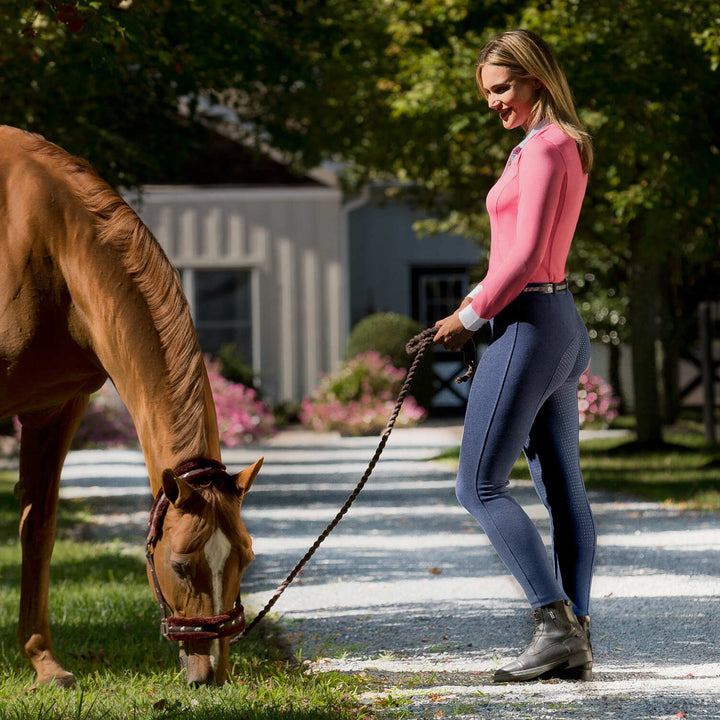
(65, 680)
(61, 679)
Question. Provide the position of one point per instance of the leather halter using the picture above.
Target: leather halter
(177, 628)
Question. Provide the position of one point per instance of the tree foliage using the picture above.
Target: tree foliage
(646, 82)
(650, 96)
(387, 88)
(106, 78)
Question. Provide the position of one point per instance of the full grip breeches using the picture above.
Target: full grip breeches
(524, 397)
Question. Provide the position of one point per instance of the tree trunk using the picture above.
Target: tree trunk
(670, 378)
(670, 334)
(644, 297)
(615, 377)
(708, 371)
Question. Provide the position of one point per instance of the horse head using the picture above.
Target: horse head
(197, 550)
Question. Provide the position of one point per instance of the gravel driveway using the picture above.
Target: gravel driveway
(408, 591)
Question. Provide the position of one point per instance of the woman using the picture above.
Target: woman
(524, 395)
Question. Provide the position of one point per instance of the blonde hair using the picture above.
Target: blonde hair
(527, 56)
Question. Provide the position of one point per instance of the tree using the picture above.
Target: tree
(106, 78)
(649, 94)
(388, 89)
(651, 97)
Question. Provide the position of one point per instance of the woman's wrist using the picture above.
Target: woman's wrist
(470, 319)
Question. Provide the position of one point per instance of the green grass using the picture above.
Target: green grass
(106, 631)
(685, 472)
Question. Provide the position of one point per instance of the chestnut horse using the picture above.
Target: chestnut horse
(86, 292)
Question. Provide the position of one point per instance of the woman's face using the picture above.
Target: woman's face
(511, 96)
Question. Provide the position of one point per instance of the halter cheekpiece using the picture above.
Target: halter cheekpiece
(177, 628)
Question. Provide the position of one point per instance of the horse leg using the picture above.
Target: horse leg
(44, 443)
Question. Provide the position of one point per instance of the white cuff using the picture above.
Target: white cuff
(478, 288)
(470, 319)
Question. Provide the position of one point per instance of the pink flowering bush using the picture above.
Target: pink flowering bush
(242, 417)
(106, 422)
(596, 403)
(359, 398)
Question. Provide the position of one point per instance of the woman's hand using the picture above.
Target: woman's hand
(451, 333)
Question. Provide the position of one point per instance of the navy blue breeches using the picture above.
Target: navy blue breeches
(524, 397)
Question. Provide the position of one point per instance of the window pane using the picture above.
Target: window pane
(222, 295)
(440, 294)
(213, 338)
(223, 311)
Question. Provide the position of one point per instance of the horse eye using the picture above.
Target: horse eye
(181, 568)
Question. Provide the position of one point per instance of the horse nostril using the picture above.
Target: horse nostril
(199, 677)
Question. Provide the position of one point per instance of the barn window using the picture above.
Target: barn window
(437, 293)
(220, 301)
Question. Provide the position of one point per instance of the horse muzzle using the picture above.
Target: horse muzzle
(201, 663)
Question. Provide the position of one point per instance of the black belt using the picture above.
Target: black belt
(549, 287)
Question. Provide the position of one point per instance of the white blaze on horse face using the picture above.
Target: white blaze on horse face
(217, 551)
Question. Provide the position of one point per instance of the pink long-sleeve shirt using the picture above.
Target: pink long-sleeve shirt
(534, 209)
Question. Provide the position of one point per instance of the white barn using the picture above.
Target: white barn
(263, 268)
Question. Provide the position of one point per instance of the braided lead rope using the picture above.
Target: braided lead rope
(418, 345)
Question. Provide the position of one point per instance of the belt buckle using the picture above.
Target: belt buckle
(550, 288)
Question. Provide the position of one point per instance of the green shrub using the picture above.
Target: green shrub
(235, 369)
(387, 334)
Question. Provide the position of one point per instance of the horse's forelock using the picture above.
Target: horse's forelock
(225, 504)
(214, 506)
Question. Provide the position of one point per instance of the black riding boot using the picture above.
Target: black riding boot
(581, 672)
(559, 643)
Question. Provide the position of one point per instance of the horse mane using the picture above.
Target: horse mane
(118, 226)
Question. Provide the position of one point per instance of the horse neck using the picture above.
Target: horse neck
(170, 431)
(149, 348)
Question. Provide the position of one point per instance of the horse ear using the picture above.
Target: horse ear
(245, 478)
(177, 491)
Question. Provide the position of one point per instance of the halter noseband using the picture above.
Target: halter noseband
(176, 627)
